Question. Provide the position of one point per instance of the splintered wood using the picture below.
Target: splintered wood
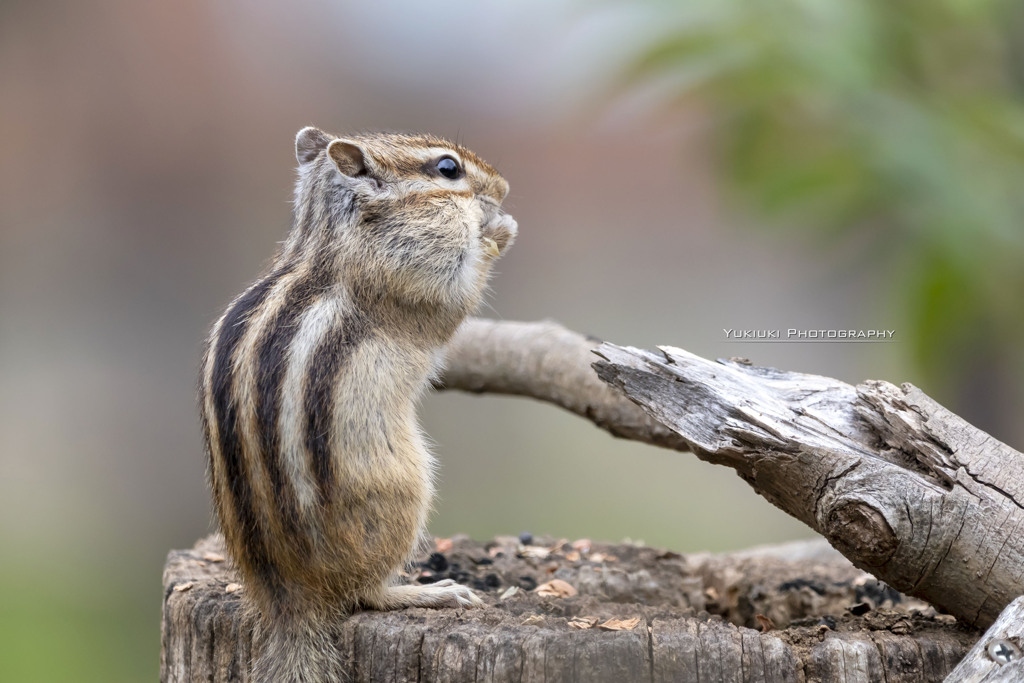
(905, 489)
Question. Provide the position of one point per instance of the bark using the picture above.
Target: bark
(639, 614)
(543, 360)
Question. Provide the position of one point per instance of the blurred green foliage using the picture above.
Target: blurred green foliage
(73, 623)
(899, 121)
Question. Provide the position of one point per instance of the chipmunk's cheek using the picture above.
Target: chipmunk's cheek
(498, 234)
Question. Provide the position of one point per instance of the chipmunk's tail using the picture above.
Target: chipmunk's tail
(297, 649)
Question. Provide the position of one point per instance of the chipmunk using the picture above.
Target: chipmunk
(320, 475)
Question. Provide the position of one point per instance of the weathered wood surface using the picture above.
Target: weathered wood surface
(999, 654)
(695, 619)
(543, 360)
(904, 488)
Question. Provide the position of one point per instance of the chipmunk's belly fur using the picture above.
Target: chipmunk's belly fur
(316, 456)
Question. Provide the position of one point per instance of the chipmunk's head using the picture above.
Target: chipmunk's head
(410, 218)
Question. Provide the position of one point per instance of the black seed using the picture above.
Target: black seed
(526, 538)
(797, 584)
(527, 583)
(429, 578)
(878, 592)
(859, 609)
(492, 581)
(436, 563)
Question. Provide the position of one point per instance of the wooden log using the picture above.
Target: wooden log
(638, 614)
(999, 654)
(902, 487)
(543, 360)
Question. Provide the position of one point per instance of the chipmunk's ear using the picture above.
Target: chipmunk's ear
(348, 157)
(308, 144)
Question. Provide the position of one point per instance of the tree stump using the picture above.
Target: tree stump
(581, 611)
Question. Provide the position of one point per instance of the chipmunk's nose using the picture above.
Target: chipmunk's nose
(502, 190)
(496, 188)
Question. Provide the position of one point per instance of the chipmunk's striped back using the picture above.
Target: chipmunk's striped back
(252, 350)
(319, 473)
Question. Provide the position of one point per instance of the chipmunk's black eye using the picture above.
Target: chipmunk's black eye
(449, 168)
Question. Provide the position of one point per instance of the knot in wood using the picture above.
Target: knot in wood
(858, 530)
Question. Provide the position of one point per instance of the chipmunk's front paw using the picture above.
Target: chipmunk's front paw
(444, 593)
(451, 594)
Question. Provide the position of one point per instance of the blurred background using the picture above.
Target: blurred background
(677, 169)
